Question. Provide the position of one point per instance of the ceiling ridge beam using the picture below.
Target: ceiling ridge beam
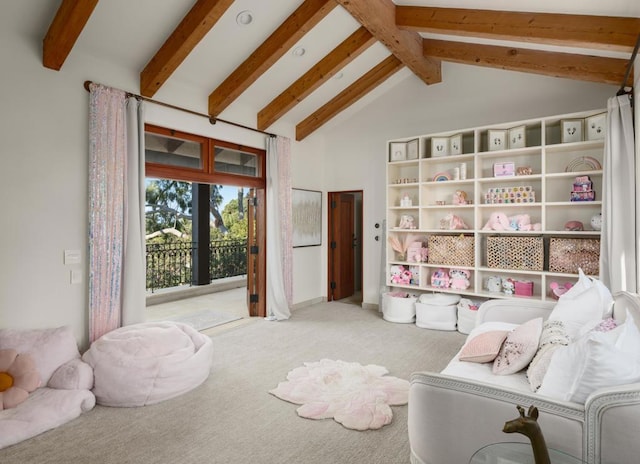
(191, 30)
(379, 17)
(321, 72)
(301, 21)
(348, 96)
(568, 65)
(67, 24)
(582, 31)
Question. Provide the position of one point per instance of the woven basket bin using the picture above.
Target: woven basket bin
(519, 253)
(569, 254)
(451, 250)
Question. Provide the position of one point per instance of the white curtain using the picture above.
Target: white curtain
(619, 234)
(116, 261)
(279, 229)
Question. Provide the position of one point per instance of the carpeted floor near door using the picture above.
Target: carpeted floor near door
(233, 419)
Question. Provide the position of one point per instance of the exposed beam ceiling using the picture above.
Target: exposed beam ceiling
(297, 25)
(326, 68)
(598, 32)
(193, 27)
(581, 67)
(379, 17)
(70, 19)
(347, 97)
(418, 37)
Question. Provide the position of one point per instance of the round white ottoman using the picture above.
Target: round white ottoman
(437, 311)
(147, 363)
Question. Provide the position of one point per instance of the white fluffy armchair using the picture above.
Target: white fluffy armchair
(65, 380)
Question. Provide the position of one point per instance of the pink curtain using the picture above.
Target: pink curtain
(107, 177)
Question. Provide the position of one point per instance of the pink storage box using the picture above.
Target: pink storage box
(524, 287)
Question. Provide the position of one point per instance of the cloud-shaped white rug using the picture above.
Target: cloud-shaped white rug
(358, 397)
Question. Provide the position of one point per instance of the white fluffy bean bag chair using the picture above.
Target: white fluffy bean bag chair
(65, 383)
(143, 364)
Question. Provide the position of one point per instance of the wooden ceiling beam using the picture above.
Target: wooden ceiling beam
(301, 21)
(323, 70)
(348, 96)
(68, 23)
(379, 17)
(191, 30)
(567, 65)
(582, 31)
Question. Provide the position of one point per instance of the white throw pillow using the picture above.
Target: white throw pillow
(597, 360)
(519, 348)
(583, 306)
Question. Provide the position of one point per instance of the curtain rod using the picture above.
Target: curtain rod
(211, 119)
(622, 91)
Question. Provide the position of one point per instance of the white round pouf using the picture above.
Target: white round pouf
(437, 311)
(143, 364)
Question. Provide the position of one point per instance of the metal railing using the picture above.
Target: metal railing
(171, 264)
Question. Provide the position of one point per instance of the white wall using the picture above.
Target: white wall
(356, 150)
(43, 176)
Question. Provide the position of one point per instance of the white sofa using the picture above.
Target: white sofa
(451, 417)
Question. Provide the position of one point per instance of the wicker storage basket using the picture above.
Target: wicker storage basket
(569, 254)
(451, 250)
(522, 253)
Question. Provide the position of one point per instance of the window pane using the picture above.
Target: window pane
(172, 151)
(237, 162)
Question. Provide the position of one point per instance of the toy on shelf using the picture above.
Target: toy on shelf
(583, 189)
(574, 226)
(459, 279)
(556, 290)
(417, 252)
(596, 221)
(406, 201)
(400, 275)
(460, 197)
(519, 222)
(508, 286)
(440, 278)
(494, 284)
(406, 222)
(453, 222)
(523, 287)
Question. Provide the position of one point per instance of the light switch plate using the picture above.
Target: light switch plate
(76, 276)
(72, 257)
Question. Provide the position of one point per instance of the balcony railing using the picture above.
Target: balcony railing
(171, 264)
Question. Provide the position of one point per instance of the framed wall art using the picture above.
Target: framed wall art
(455, 144)
(397, 151)
(412, 149)
(596, 126)
(306, 217)
(497, 139)
(439, 146)
(518, 137)
(571, 130)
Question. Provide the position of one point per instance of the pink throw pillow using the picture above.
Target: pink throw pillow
(483, 348)
(519, 348)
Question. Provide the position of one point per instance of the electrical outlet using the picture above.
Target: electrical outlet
(76, 276)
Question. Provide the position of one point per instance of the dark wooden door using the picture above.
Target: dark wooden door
(256, 254)
(342, 242)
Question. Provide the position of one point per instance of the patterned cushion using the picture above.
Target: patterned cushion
(519, 348)
(554, 335)
(484, 347)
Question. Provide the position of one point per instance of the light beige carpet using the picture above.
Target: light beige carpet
(232, 418)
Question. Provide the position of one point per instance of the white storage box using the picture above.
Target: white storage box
(397, 308)
(437, 311)
(467, 312)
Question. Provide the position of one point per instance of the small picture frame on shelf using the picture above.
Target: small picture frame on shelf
(497, 139)
(439, 147)
(518, 137)
(596, 126)
(397, 151)
(455, 144)
(412, 149)
(507, 169)
(571, 130)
